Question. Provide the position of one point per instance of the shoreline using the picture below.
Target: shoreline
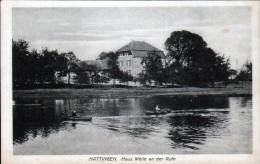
(127, 93)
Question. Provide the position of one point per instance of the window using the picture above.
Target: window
(128, 62)
(121, 63)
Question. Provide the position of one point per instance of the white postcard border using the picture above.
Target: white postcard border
(6, 83)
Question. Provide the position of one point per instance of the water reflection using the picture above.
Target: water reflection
(185, 102)
(246, 101)
(188, 131)
(193, 121)
(140, 127)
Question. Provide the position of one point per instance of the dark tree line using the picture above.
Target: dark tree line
(193, 63)
(188, 62)
(34, 67)
(49, 66)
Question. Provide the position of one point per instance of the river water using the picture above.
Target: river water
(196, 125)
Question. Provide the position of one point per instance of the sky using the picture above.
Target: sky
(89, 31)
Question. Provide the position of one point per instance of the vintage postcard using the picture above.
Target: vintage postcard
(125, 81)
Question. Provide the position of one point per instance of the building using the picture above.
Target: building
(101, 66)
(129, 60)
(130, 56)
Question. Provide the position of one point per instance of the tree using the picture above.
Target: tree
(103, 79)
(125, 77)
(93, 73)
(191, 62)
(61, 62)
(111, 59)
(221, 68)
(34, 67)
(248, 66)
(182, 45)
(141, 77)
(50, 66)
(246, 72)
(82, 76)
(72, 63)
(27, 65)
(88, 74)
(153, 67)
(20, 52)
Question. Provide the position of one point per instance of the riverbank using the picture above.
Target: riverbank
(131, 92)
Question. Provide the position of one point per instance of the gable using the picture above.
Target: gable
(139, 46)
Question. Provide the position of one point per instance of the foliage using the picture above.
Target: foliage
(33, 67)
(93, 73)
(153, 68)
(89, 74)
(191, 62)
(125, 77)
(111, 60)
(182, 45)
(103, 79)
(113, 71)
(50, 63)
(82, 76)
(246, 72)
(142, 78)
(71, 64)
(20, 56)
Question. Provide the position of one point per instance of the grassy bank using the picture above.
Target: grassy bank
(131, 92)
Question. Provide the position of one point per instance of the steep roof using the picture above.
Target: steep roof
(141, 49)
(139, 46)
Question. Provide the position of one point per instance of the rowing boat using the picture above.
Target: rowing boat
(157, 113)
(81, 118)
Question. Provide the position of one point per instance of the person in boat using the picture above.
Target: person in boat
(157, 109)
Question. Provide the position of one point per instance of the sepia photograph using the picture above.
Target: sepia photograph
(132, 80)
